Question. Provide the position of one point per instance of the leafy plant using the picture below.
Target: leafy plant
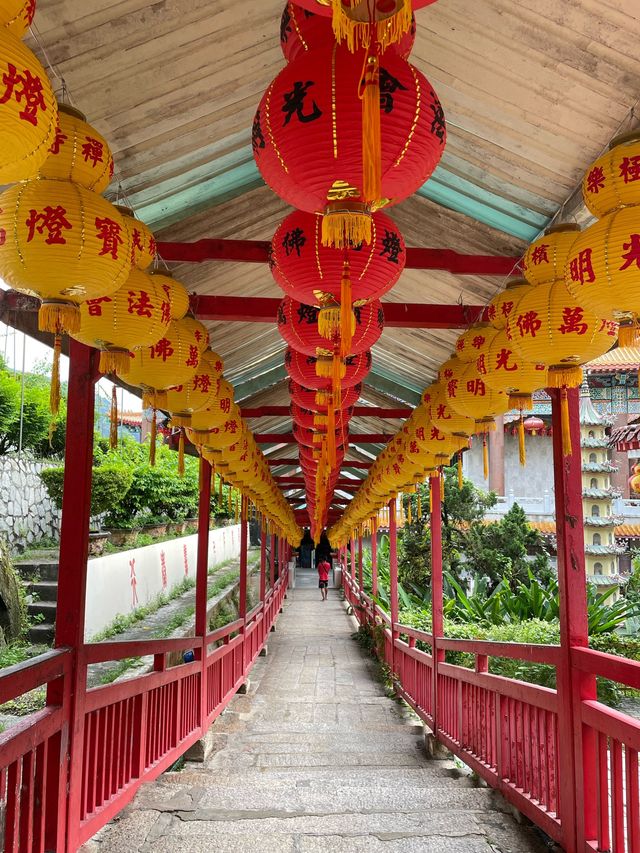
(36, 418)
(110, 484)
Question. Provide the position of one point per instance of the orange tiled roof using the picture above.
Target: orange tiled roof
(619, 358)
(623, 530)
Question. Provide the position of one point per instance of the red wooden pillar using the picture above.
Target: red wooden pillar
(374, 557)
(72, 585)
(393, 576)
(263, 561)
(202, 577)
(272, 566)
(352, 553)
(577, 750)
(437, 626)
(360, 561)
(242, 602)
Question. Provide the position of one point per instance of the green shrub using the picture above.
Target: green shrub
(110, 483)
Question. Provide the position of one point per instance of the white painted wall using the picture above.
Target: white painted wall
(118, 583)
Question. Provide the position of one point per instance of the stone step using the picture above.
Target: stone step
(43, 590)
(44, 608)
(43, 569)
(41, 634)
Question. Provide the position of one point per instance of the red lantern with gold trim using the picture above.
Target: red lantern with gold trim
(302, 328)
(318, 401)
(308, 138)
(303, 369)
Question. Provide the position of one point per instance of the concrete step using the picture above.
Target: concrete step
(42, 590)
(43, 608)
(41, 634)
(41, 568)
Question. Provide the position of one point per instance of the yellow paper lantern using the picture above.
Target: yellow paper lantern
(143, 243)
(201, 392)
(137, 315)
(468, 394)
(546, 258)
(500, 308)
(441, 414)
(199, 332)
(603, 267)
(178, 295)
(504, 369)
(78, 153)
(172, 360)
(550, 327)
(613, 180)
(473, 342)
(63, 244)
(17, 15)
(220, 410)
(28, 111)
(220, 437)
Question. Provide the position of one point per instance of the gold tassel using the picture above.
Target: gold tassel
(409, 516)
(629, 333)
(152, 446)
(149, 400)
(357, 34)
(180, 420)
(326, 366)
(181, 454)
(521, 401)
(329, 322)
(347, 318)
(237, 509)
(441, 483)
(430, 501)
(346, 223)
(564, 421)
(565, 376)
(323, 398)
(57, 317)
(371, 132)
(331, 436)
(460, 477)
(521, 445)
(54, 391)
(485, 455)
(113, 423)
(114, 361)
(419, 507)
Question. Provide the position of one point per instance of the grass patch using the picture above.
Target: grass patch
(119, 669)
(28, 703)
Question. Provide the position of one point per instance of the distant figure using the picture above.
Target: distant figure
(323, 578)
(323, 549)
(306, 549)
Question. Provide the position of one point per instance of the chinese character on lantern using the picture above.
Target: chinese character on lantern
(630, 169)
(94, 306)
(293, 241)
(452, 387)
(391, 246)
(202, 383)
(93, 150)
(481, 367)
(502, 360)
(478, 341)
(610, 327)
(139, 303)
(24, 87)
(162, 349)
(193, 359)
(58, 141)
(632, 255)
(572, 321)
(476, 387)
(388, 86)
(581, 268)
(529, 323)
(109, 232)
(595, 180)
(539, 255)
(294, 104)
(52, 220)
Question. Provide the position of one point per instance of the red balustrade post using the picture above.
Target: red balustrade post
(72, 585)
(352, 553)
(263, 562)
(202, 578)
(242, 594)
(374, 558)
(577, 749)
(437, 619)
(393, 576)
(272, 565)
(360, 561)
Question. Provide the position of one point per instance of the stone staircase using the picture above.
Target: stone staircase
(316, 758)
(39, 575)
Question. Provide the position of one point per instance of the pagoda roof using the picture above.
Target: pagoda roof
(604, 549)
(601, 520)
(606, 580)
(626, 437)
(600, 493)
(598, 466)
(616, 360)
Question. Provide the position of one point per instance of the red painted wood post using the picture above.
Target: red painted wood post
(202, 578)
(360, 561)
(374, 557)
(393, 575)
(72, 585)
(352, 553)
(577, 751)
(242, 602)
(437, 619)
(263, 561)
(272, 566)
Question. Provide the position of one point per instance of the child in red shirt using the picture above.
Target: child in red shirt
(323, 578)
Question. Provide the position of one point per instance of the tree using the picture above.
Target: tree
(36, 418)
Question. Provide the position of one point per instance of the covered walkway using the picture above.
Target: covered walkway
(316, 757)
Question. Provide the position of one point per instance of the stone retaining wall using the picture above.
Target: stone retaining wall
(27, 513)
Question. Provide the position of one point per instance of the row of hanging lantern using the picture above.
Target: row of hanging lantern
(580, 292)
(348, 127)
(88, 261)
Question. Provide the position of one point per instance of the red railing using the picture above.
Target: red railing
(128, 733)
(508, 730)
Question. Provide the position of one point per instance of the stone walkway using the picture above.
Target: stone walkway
(315, 759)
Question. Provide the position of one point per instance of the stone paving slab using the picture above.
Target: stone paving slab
(315, 758)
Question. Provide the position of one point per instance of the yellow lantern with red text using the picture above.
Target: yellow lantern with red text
(172, 360)
(442, 416)
(178, 296)
(500, 308)
(143, 243)
(17, 15)
(546, 258)
(201, 392)
(613, 180)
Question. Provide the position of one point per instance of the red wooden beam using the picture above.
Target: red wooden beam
(257, 252)
(358, 411)
(348, 463)
(409, 315)
(288, 437)
(300, 481)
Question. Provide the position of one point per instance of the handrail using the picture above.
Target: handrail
(517, 651)
(533, 694)
(257, 609)
(608, 666)
(416, 633)
(23, 677)
(221, 633)
(101, 652)
(612, 723)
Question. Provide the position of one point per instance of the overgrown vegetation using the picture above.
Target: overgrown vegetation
(36, 418)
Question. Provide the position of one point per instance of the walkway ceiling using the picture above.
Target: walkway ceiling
(532, 91)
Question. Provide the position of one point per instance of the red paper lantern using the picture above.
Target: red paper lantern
(302, 369)
(312, 438)
(313, 274)
(300, 327)
(308, 142)
(301, 30)
(313, 420)
(318, 401)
